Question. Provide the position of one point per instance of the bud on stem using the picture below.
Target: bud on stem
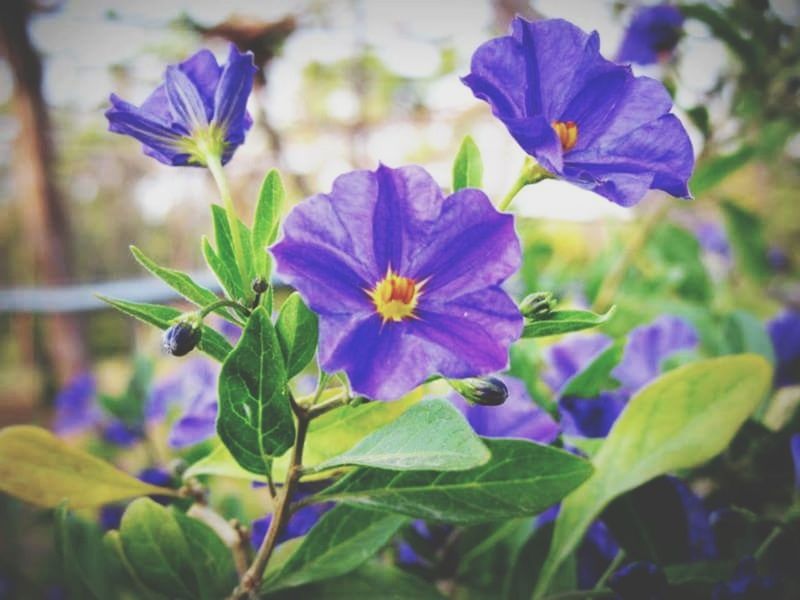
(487, 391)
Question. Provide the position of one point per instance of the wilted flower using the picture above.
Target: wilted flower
(652, 35)
(197, 114)
(518, 417)
(406, 282)
(583, 118)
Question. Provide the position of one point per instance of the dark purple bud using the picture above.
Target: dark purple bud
(639, 581)
(537, 306)
(259, 285)
(487, 391)
(182, 337)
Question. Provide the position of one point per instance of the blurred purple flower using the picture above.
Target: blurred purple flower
(193, 389)
(200, 110)
(76, 406)
(784, 330)
(795, 446)
(584, 118)
(111, 516)
(300, 523)
(431, 535)
(648, 347)
(121, 434)
(570, 356)
(405, 281)
(712, 238)
(746, 584)
(652, 35)
(517, 417)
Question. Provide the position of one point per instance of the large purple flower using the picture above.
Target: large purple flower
(198, 111)
(652, 35)
(584, 118)
(406, 282)
(517, 417)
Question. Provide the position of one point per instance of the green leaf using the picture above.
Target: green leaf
(431, 435)
(81, 554)
(746, 333)
(521, 479)
(468, 166)
(175, 555)
(255, 418)
(329, 435)
(342, 540)
(211, 342)
(267, 221)
(682, 419)
(223, 238)
(230, 280)
(178, 281)
(121, 568)
(297, 330)
(374, 580)
(746, 234)
(248, 268)
(596, 377)
(564, 321)
(714, 171)
(39, 468)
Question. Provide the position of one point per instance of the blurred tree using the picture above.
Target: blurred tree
(44, 214)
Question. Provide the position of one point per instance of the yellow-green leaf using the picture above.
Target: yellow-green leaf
(39, 468)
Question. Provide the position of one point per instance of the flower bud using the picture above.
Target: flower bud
(537, 305)
(182, 337)
(259, 285)
(488, 391)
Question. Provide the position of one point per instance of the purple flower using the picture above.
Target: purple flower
(652, 35)
(570, 356)
(110, 516)
(76, 406)
(518, 417)
(199, 111)
(426, 539)
(591, 417)
(746, 583)
(647, 349)
(405, 281)
(795, 446)
(121, 434)
(583, 118)
(193, 389)
(712, 238)
(300, 523)
(158, 477)
(784, 330)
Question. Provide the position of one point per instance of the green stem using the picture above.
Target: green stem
(531, 173)
(206, 310)
(765, 545)
(616, 275)
(214, 164)
(613, 566)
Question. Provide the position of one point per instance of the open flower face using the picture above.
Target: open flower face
(199, 110)
(406, 282)
(585, 119)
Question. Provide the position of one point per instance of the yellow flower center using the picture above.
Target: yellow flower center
(567, 132)
(395, 297)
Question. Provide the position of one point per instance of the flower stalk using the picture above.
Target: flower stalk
(532, 172)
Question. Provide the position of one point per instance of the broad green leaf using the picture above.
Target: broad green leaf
(596, 377)
(230, 280)
(746, 234)
(80, 551)
(175, 555)
(223, 238)
(249, 270)
(682, 419)
(122, 569)
(267, 221)
(468, 166)
(178, 281)
(330, 435)
(431, 435)
(746, 333)
(521, 479)
(39, 468)
(342, 540)
(373, 580)
(255, 418)
(211, 342)
(564, 321)
(297, 330)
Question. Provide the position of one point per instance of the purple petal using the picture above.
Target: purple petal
(591, 417)
(185, 101)
(795, 446)
(230, 99)
(784, 331)
(76, 407)
(647, 349)
(570, 356)
(160, 141)
(653, 32)
(517, 417)
(204, 72)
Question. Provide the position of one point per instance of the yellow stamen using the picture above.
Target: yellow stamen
(395, 297)
(567, 132)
